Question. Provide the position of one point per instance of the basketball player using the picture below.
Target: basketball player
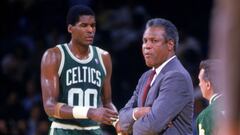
(211, 90)
(75, 80)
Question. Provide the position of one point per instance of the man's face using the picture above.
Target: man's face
(155, 47)
(203, 83)
(84, 30)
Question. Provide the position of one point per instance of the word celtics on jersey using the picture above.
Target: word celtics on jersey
(81, 81)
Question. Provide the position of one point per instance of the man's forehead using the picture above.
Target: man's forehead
(154, 31)
(86, 19)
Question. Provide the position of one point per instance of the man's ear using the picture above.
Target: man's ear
(70, 28)
(208, 85)
(170, 45)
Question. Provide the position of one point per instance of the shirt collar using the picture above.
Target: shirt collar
(158, 70)
(214, 97)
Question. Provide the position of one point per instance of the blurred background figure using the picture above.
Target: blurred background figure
(225, 31)
(212, 91)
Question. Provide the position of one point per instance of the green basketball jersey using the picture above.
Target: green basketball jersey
(206, 119)
(80, 82)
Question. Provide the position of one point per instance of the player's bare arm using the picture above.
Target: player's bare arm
(50, 85)
(107, 92)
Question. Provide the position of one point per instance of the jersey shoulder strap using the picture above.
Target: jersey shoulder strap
(99, 53)
(60, 47)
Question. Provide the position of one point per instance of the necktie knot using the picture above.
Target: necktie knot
(153, 72)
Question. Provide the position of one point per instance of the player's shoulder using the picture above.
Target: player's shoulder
(54, 49)
(102, 52)
(206, 113)
(52, 52)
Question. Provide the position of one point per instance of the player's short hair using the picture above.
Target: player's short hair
(170, 29)
(76, 11)
(212, 72)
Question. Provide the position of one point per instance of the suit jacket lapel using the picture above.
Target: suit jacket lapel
(167, 67)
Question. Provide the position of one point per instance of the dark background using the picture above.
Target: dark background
(29, 27)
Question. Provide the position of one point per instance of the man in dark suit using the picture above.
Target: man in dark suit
(168, 107)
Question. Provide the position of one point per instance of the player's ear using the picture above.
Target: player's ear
(70, 28)
(208, 84)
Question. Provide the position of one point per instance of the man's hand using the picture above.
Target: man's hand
(141, 111)
(103, 115)
(119, 129)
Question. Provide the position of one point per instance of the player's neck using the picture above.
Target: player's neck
(79, 51)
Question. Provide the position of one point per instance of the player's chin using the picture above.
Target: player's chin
(88, 42)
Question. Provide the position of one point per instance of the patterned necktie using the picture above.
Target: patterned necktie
(147, 86)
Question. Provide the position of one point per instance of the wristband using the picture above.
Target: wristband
(57, 110)
(80, 112)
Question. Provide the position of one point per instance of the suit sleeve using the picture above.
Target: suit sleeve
(174, 95)
(125, 114)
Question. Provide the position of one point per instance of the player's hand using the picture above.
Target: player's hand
(102, 115)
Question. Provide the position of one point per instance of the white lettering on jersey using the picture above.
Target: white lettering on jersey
(201, 130)
(83, 74)
(68, 81)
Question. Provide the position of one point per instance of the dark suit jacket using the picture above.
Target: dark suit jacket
(171, 100)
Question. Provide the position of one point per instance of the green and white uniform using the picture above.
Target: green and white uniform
(205, 120)
(80, 84)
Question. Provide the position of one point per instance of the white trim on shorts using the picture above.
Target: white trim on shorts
(71, 127)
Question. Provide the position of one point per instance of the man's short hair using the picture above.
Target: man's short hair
(212, 72)
(76, 11)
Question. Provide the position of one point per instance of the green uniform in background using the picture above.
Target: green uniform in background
(80, 84)
(206, 119)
